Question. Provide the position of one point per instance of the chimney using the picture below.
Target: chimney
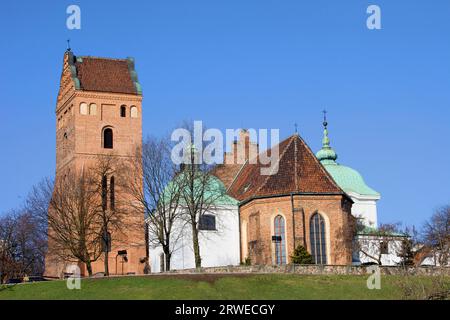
(242, 149)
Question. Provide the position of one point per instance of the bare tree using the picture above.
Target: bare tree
(436, 235)
(73, 218)
(7, 247)
(199, 196)
(435, 241)
(36, 205)
(199, 192)
(374, 243)
(109, 181)
(158, 191)
(21, 244)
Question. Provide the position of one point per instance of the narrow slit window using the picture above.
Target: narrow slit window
(112, 196)
(104, 193)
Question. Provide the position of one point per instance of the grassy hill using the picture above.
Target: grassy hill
(212, 286)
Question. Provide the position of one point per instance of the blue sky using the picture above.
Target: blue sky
(250, 63)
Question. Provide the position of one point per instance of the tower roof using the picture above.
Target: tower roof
(104, 74)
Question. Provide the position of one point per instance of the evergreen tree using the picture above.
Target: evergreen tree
(301, 256)
(406, 252)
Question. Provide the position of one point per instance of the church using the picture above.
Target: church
(311, 201)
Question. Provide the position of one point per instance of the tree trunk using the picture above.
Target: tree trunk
(167, 255)
(89, 267)
(106, 262)
(198, 259)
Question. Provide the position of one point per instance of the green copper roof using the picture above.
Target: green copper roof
(347, 178)
(215, 190)
(326, 155)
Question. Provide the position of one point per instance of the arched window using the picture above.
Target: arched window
(112, 196)
(104, 193)
(92, 109)
(83, 108)
(207, 222)
(133, 112)
(318, 239)
(108, 138)
(279, 239)
(123, 111)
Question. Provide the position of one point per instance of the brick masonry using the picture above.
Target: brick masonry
(317, 270)
(257, 225)
(79, 139)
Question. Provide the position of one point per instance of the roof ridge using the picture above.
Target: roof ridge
(327, 174)
(103, 58)
(237, 175)
(278, 161)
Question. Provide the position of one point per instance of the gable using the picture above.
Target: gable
(299, 171)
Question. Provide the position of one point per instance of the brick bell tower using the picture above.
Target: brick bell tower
(99, 112)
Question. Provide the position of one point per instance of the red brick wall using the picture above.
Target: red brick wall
(260, 214)
(79, 142)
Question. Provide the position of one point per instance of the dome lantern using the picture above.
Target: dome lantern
(326, 155)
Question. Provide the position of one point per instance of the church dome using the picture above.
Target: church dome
(347, 178)
(210, 186)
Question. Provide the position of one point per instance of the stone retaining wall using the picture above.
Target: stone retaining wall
(317, 269)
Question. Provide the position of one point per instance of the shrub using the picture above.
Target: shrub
(301, 256)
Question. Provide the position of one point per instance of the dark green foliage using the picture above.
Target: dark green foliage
(301, 256)
(247, 262)
(406, 253)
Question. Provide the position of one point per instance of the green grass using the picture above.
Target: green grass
(260, 286)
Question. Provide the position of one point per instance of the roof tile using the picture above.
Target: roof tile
(298, 171)
(105, 75)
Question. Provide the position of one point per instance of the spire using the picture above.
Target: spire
(326, 155)
(68, 45)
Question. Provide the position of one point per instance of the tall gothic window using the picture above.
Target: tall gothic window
(108, 138)
(123, 111)
(318, 239)
(279, 239)
(112, 196)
